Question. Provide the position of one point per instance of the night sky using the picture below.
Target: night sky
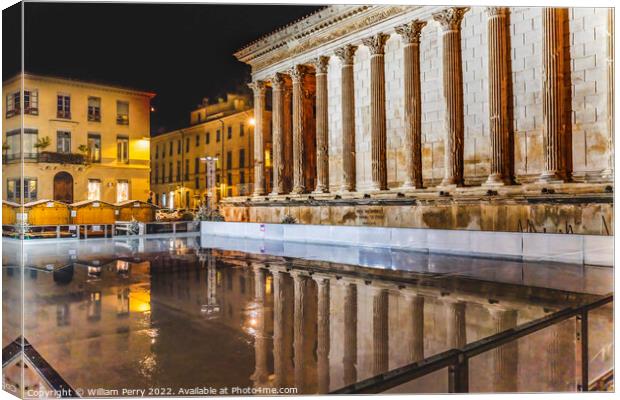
(181, 52)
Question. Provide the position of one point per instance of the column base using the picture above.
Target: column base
(321, 190)
(450, 183)
(346, 190)
(258, 194)
(550, 177)
(298, 190)
(407, 187)
(494, 180)
(608, 175)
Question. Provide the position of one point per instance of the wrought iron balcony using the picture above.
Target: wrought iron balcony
(61, 158)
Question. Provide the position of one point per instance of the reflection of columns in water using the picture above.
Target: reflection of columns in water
(506, 357)
(323, 285)
(380, 335)
(349, 359)
(282, 339)
(415, 311)
(211, 281)
(260, 341)
(561, 353)
(455, 324)
(300, 283)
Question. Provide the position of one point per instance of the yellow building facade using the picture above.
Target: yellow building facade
(80, 140)
(181, 159)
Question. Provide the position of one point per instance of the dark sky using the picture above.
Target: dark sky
(181, 52)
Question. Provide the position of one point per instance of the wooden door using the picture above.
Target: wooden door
(63, 187)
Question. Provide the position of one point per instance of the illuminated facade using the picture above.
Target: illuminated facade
(180, 175)
(81, 140)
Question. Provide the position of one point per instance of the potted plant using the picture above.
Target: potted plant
(83, 149)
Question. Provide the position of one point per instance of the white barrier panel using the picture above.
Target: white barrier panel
(564, 248)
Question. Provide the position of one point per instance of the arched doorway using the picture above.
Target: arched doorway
(63, 187)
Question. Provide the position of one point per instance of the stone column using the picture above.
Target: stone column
(608, 173)
(259, 156)
(287, 138)
(410, 34)
(297, 74)
(499, 54)
(450, 20)
(322, 139)
(323, 326)
(378, 136)
(300, 283)
(506, 357)
(455, 324)
(261, 371)
(277, 126)
(380, 334)
(349, 359)
(415, 311)
(553, 97)
(346, 54)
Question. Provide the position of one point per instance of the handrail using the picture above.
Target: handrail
(457, 360)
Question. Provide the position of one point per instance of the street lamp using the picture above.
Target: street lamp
(211, 161)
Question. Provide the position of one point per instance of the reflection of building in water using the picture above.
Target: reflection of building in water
(276, 322)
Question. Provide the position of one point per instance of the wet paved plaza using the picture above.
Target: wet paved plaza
(178, 314)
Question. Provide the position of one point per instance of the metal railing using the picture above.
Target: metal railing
(85, 231)
(457, 360)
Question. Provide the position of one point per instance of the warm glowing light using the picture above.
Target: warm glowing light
(152, 109)
(140, 302)
(252, 122)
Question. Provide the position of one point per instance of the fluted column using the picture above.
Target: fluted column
(380, 334)
(259, 155)
(505, 357)
(415, 311)
(450, 20)
(287, 137)
(378, 135)
(553, 97)
(345, 54)
(455, 324)
(608, 173)
(499, 54)
(323, 330)
(297, 74)
(277, 129)
(349, 358)
(322, 140)
(410, 34)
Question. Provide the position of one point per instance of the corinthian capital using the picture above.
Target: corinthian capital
(277, 81)
(497, 11)
(346, 53)
(411, 32)
(258, 87)
(298, 72)
(450, 18)
(376, 43)
(321, 64)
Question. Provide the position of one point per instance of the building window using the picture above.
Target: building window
(242, 158)
(94, 147)
(229, 160)
(242, 177)
(94, 109)
(122, 149)
(197, 140)
(163, 173)
(94, 189)
(163, 199)
(13, 189)
(63, 106)
(197, 182)
(187, 145)
(170, 148)
(13, 141)
(156, 151)
(31, 102)
(186, 178)
(241, 129)
(156, 180)
(179, 146)
(178, 171)
(12, 104)
(208, 137)
(229, 179)
(230, 132)
(122, 191)
(63, 142)
(217, 135)
(122, 112)
(170, 172)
